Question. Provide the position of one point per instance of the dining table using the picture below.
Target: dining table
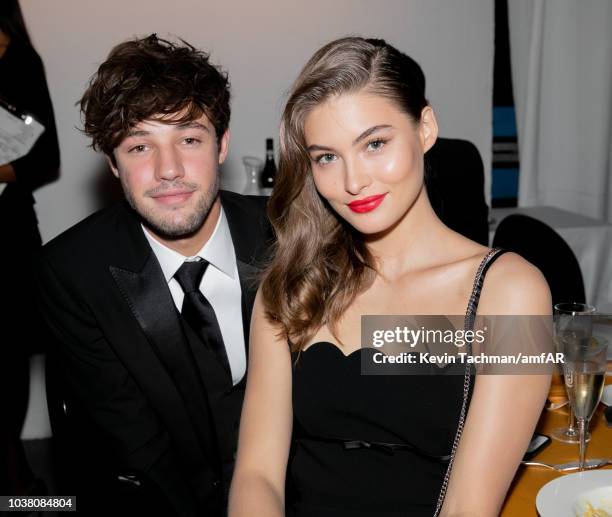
(521, 498)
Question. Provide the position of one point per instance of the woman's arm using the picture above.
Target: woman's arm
(504, 409)
(258, 486)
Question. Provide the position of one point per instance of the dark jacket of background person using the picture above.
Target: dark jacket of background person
(23, 85)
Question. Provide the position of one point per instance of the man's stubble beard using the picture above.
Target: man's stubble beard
(164, 225)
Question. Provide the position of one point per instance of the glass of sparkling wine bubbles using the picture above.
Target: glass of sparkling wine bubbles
(585, 372)
(573, 323)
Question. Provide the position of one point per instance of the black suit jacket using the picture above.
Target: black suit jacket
(142, 394)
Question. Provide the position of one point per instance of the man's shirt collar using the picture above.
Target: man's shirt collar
(218, 251)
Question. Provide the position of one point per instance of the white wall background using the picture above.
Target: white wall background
(262, 45)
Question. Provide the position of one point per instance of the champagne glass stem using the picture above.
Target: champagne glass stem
(582, 431)
(571, 428)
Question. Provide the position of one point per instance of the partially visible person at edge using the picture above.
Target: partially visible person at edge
(357, 235)
(150, 300)
(23, 85)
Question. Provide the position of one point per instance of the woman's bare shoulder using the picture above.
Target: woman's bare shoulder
(514, 286)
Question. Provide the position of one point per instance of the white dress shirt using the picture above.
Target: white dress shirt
(220, 285)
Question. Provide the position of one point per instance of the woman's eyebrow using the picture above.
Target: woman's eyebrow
(362, 136)
(368, 132)
(315, 147)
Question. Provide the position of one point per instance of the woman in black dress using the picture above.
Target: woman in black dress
(357, 235)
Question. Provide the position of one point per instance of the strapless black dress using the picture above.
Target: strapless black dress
(371, 445)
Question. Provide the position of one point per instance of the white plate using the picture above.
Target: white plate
(606, 398)
(594, 502)
(562, 496)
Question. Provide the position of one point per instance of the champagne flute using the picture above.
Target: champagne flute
(573, 323)
(585, 371)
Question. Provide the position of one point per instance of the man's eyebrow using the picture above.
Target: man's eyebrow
(368, 132)
(192, 125)
(137, 132)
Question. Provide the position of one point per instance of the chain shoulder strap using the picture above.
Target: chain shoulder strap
(470, 315)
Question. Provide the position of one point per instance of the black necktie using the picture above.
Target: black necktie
(197, 310)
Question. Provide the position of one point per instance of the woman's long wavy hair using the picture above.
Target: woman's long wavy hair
(320, 262)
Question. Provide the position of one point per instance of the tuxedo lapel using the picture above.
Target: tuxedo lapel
(141, 282)
(180, 395)
(248, 285)
(251, 237)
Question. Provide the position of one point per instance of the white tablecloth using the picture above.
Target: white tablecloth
(590, 240)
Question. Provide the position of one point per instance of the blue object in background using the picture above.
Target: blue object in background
(505, 166)
(505, 183)
(504, 121)
(505, 170)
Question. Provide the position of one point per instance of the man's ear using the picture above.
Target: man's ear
(428, 128)
(224, 146)
(111, 164)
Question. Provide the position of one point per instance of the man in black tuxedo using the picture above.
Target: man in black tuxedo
(149, 301)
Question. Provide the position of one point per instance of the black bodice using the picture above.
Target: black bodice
(339, 464)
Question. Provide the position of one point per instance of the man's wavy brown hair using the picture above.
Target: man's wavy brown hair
(152, 78)
(321, 263)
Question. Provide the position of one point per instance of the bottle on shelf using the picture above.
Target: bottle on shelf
(267, 177)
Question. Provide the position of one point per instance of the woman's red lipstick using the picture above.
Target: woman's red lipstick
(362, 206)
